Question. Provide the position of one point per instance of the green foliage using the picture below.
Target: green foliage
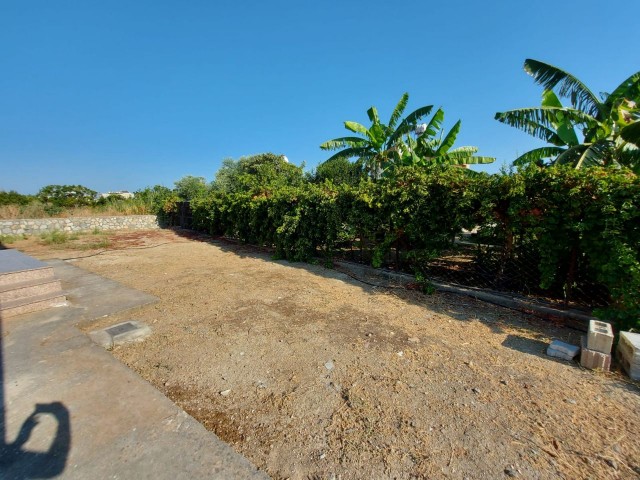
(190, 187)
(64, 196)
(57, 237)
(383, 148)
(338, 171)
(572, 224)
(14, 198)
(253, 172)
(9, 239)
(610, 127)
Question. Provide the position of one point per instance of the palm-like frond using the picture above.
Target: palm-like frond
(342, 142)
(372, 113)
(399, 110)
(629, 89)
(356, 127)
(360, 152)
(569, 86)
(449, 139)
(631, 133)
(598, 153)
(408, 123)
(537, 155)
(542, 122)
(434, 125)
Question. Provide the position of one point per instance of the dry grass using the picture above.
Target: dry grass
(40, 210)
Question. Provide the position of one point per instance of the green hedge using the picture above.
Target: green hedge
(571, 223)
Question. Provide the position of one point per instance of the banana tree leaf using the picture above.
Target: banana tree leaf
(537, 155)
(631, 133)
(434, 125)
(629, 90)
(372, 113)
(399, 110)
(356, 127)
(408, 123)
(569, 86)
(449, 139)
(363, 153)
(463, 150)
(343, 142)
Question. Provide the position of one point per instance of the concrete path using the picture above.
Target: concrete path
(70, 410)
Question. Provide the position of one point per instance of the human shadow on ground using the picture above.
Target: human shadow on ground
(20, 464)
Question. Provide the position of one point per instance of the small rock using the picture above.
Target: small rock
(570, 400)
(224, 393)
(475, 390)
(329, 365)
(510, 472)
(400, 353)
(612, 463)
(413, 340)
(323, 456)
(504, 382)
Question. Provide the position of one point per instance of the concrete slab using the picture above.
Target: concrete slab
(70, 410)
(15, 261)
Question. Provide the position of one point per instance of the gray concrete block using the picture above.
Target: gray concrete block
(600, 337)
(563, 350)
(594, 360)
(125, 332)
(628, 353)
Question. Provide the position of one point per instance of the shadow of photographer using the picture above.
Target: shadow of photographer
(25, 464)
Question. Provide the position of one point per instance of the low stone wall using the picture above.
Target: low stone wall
(34, 226)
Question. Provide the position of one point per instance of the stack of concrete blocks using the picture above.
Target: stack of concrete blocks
(628, 353)
(596, 346)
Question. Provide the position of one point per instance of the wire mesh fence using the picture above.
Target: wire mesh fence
(512, 270)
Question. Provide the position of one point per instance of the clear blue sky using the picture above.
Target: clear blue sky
(122, 95)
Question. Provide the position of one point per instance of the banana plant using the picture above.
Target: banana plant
(608, 126)
(375, 145)
(431, 146)
(382, 147)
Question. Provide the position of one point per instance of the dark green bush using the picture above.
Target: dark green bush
(570, 225)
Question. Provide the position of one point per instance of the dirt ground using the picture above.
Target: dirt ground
(313, 375)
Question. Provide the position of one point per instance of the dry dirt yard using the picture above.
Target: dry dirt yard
(314, 375)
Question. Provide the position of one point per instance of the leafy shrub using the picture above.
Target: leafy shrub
(571, 225)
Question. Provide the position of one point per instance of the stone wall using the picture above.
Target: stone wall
(34, 226)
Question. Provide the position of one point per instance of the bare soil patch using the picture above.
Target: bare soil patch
(311, 374)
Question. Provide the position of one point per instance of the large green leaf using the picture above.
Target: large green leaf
(356, 127)
(409, 123)
(372, 113)
(360, 152)
(541, 122)
(449, 139)
(343, 142)
(537, 155)
(627, 90)
(399, 110)
(434, 125)
(631, 133)
(569, 86)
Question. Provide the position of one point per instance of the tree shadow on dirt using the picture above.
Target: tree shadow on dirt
(457, 306)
